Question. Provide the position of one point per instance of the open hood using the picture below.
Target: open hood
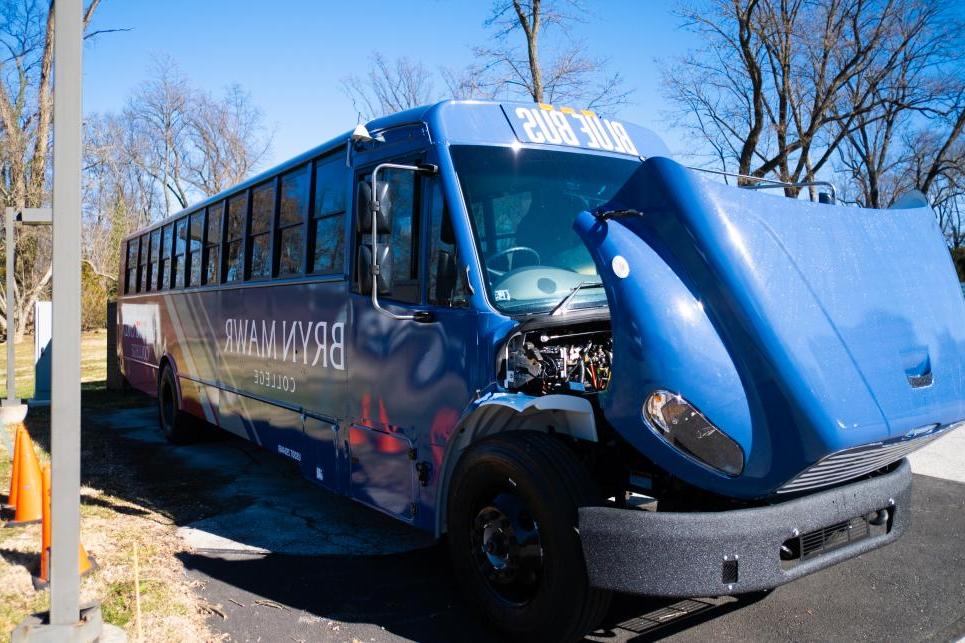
(798, 329)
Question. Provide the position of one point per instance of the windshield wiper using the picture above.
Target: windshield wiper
(561, 307)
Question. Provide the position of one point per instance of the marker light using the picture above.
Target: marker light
(676, 421)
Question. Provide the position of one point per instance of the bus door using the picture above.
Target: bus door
(409, 380)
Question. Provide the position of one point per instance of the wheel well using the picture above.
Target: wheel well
(571, 417)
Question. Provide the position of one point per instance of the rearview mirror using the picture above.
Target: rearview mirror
(364, 204)
(367, 266)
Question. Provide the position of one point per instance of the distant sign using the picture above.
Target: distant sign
(43, 333)
(546, 124)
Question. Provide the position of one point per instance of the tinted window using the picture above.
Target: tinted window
(259, 237)
(180, 245)
(328, 216)
(196, 234)
(130, 279)
(294, 197)
(405, 261)
(167, 239)
(329, 234)
(445, 280)
(291, 221)
(234, 237)
(155, 257)
(330, 185)
(142, 264)
(212, 253)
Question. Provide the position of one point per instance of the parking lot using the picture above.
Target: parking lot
(278, 559)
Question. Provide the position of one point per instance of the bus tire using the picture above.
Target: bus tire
(512, 534)
(175, 423)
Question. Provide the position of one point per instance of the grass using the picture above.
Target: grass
(93, 362)
(111, 523)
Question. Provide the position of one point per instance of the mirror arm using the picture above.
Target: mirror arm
(422, 316)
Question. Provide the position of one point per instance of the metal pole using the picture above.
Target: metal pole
(11, 367)
(65, 393)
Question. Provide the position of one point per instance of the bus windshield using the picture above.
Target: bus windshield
(522, 203)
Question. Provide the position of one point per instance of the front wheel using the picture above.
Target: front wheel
(512, 523)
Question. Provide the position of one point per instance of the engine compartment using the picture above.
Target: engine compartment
(569, 359)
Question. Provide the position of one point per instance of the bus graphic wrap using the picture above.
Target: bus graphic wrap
(588, 367)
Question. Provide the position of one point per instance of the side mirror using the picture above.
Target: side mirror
(366, 267)
(363, 208)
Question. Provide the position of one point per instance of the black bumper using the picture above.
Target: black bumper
(701, 554)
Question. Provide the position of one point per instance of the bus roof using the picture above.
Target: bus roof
(454, 122)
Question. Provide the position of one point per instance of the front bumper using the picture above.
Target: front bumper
(739, 551)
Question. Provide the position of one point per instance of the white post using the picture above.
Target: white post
(65, 622)
(65, 393)
(12, 410)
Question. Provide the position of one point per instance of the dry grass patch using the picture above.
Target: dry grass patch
(93, 362)
(110, 528)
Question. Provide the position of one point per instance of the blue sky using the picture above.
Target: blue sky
(290, 55)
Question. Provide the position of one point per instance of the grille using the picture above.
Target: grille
(821, 541)
(855, 462)
(824, 540)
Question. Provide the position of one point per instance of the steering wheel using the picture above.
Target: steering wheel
(508, 252)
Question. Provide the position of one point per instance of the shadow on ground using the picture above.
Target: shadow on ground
(289, 561)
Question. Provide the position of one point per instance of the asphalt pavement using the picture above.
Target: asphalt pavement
(284, 561)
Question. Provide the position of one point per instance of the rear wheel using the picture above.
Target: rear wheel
(512, 522)
(175, 423)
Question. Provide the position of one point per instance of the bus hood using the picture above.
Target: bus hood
(822, 339)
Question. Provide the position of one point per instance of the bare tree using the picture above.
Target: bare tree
(118, 196)
(188, 142)
(26, 111)
(389, 86)
(159, 113)
(780, 84)
(911, 137)
(227, 140)
(549, 65)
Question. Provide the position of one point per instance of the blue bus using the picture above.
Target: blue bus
(529, 331)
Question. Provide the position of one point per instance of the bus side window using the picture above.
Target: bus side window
(445, 283)
(259, 232)
(142, 265)
(234, 237)
(130, 281)
(211, 263)
(194, 248)
(293, 207)
(155, 256)
(167, 240)
(327, 228)
(180, 245)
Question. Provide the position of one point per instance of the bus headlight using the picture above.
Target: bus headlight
(674, 419)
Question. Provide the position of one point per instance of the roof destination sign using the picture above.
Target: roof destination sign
(542, 123)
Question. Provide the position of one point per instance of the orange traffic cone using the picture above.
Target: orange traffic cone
(85, 563)
(14, 482)
(29, 494)
(44, 575)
